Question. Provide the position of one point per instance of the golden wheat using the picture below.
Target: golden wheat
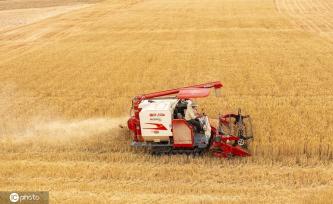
(66, 82)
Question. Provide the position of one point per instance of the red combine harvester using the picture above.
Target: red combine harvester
(158, 122)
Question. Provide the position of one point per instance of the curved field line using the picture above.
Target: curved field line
(309, 15)
(321, 5)
(328, 4)
(303, 13)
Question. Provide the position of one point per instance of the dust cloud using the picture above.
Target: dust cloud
(71, 129)
(18, 124)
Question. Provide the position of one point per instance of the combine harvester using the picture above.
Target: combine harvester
(158, 123)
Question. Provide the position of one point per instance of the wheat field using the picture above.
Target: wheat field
(68, 77)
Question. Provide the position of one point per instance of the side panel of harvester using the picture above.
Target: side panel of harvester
(156, 119)
(182, 133)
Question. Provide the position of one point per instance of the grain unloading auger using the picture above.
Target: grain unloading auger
(158, 122)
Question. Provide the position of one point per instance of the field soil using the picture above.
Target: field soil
(69, 70)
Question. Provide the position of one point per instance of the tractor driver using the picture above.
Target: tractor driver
(191, 115)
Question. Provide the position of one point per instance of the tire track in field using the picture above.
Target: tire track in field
(309, 15)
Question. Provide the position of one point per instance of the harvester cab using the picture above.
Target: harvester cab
(159, 122)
